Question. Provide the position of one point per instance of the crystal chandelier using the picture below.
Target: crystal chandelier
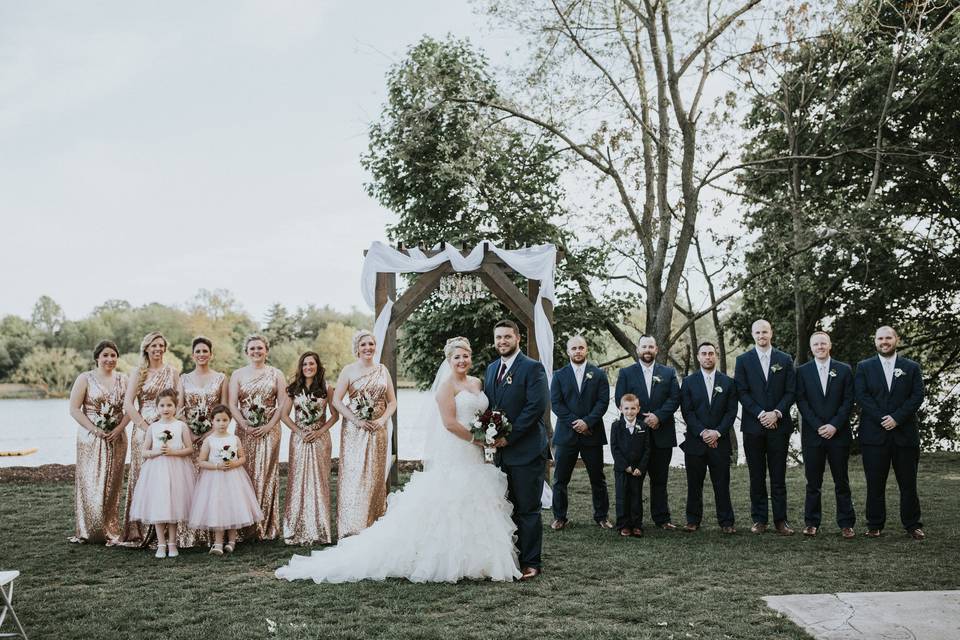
(461, 289)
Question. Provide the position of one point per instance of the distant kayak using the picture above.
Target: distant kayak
(22, 452)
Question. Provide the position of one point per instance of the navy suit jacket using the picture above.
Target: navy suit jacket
(522, 396)
(663, 402)
(588, 404)
(901, 402)
(818, 409)
(699, 414)
(630, 450)
(757, 394)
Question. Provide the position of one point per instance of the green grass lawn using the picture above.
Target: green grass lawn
(596, 585)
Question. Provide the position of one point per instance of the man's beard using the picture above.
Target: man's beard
(647, 357)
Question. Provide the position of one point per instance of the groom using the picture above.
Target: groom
(517, 386)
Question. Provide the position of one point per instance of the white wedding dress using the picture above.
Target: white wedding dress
(450, 521)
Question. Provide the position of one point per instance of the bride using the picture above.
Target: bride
(450, 521)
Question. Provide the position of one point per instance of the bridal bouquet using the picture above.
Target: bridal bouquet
(362, 406)
(107, 417)
(198, 420)
(256, 412)
(309, 409)
(488, 426)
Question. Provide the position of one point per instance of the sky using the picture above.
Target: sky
(149, 150)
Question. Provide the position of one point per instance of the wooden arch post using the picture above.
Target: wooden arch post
(494, 273)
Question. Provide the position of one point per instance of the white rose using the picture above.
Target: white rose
(491, 435)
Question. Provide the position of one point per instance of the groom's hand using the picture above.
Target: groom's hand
(500, 442)
(579, 426)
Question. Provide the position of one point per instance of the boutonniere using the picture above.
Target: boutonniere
(657, 379)
(509, 379)
(775, 368)
(898, 372)
(718, 389)
(833, 373)
(589, 375)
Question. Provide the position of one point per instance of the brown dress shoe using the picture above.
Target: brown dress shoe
(847, 533)
(605, 524)
(556, 525)
(668, 526)
(727, 530)
(918, 534)
(638, 532)
(758, 527)
(783, 529)
(810, 531)
(625, 532)
(872, 533)
(690, 527)
(529, 573)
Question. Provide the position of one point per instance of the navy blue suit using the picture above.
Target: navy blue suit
(714, 409)
(588, 403)
(899, 447)
(663, 401)
(522, 396)
(629, 451)
(817, 409)
(766, 449)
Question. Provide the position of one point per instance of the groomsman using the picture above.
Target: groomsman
(580, 395)
(889, 390)
(708, 403)
(766, 386)
(659, 392)
(825, 400)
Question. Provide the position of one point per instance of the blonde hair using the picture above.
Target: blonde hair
(253, 337)
(360, 335)
(145, 359)
(456, 343)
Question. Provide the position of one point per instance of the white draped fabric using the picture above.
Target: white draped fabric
(533, 263)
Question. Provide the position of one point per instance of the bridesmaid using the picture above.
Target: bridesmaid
(96, 403)
(199, 391)
(143, 386)
(362, 482)
(306, 513)
(256, 402)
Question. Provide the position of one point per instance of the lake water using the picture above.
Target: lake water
(47, 425)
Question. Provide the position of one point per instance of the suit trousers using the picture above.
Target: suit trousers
(877, 460)
(565, 459)
(718, 461)
(767, 451)
(815, 460)
(524, 489)
(659, 469)
(629, 502)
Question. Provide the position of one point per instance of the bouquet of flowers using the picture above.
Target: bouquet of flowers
(309, 409)
(362, 406)
(256, 411)
(488, 427)
(227, 453)
(165, 436)
(198, 420)
(107, 417)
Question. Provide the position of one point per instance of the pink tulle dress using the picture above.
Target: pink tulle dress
(224, 499)
(165, 488)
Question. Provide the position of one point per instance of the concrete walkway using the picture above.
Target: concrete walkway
(900, 615)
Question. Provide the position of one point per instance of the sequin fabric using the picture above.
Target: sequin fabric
(306, 513)
(263, 454)
(197, 395)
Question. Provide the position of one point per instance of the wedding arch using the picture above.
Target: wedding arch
(493, 265)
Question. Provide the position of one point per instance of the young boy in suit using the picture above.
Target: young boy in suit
(630, 445)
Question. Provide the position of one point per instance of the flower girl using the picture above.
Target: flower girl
(163, 492)
(224, 498)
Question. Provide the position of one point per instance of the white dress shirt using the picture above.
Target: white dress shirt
(708, 381)
(648, 376)
(508, 362)
(578, 372)
(889, 364)
(764, 361)
(630, 426)
(823, 368)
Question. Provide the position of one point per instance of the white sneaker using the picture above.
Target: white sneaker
(172, 550)
(161, 551)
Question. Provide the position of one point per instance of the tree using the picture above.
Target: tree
(47, 318)
(17, 340)
(453, 171)
(280, 326)
(853, 148)
(53, 368)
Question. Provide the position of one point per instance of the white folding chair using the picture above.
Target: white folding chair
(6, 595)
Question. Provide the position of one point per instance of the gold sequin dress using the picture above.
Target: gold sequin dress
(263, 454)
(137, 533)
(306, 513)
(99, 469)
(198, 398)
(361, 475)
